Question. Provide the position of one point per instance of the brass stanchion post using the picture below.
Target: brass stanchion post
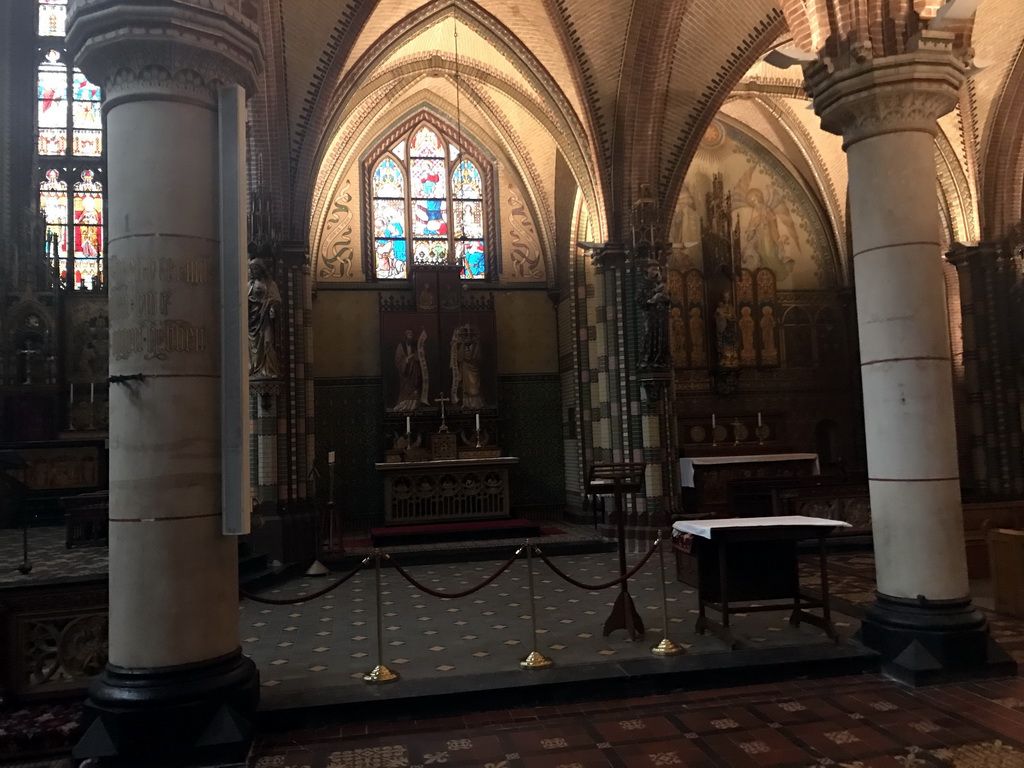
(535, 660)
(380, 673)
(666, 647)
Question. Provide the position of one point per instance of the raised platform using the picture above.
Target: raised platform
(469, 530)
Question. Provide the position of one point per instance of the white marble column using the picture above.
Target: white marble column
(173, 575)
(887, 111)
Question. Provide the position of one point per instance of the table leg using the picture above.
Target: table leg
(826, 608)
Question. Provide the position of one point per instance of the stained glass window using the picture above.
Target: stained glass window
(69, 144)
(428, 205)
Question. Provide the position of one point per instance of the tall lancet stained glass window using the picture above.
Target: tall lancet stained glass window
(428, 206)
(69, 149)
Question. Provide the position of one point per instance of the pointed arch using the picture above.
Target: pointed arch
(334, 107)
(422, 206)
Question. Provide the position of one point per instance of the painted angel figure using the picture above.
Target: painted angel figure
(770, 234)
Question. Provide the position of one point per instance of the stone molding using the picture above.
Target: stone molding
(172, 50)
(908, 92)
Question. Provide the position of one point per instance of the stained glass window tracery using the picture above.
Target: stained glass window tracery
(428, 205)
(69, 145)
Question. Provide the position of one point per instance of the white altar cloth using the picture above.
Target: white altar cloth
(704, 528)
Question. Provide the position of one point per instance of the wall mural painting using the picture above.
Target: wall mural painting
(337, 255)
(780, 225)
(767, 309)
(524, 251)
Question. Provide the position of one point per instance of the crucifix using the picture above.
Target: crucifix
(442, 400)
(27, 354)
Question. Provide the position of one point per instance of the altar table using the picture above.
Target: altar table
(448, 490)
(739, 560)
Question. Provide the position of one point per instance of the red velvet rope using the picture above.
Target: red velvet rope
(304, 598)
(616, 582)
(434, 593)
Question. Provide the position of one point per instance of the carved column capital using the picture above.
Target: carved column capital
(907, 92)
(178, 50)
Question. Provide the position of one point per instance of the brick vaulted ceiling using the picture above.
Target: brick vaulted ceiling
(621, 89)
(632, 80)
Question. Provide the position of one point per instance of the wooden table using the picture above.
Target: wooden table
(746, 559)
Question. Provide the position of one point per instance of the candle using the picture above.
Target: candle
(712, 421)
(408, 425)
(478, 422)
(330, 457)
(71, 401)
(759, 418)
(92, 392)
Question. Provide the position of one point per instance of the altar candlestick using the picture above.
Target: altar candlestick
(759, 418)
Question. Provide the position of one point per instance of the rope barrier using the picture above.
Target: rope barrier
(305, 598)
(448, 595)
(558, 571)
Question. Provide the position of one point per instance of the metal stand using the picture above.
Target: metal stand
(666, 647)
(619, 479)
(316, 568)
(380, 673)
(26, 565)
(535, 660)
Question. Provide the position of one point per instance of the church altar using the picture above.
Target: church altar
(705, 479)
(447, 490)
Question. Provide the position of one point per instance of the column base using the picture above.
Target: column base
(189, 715)
(923, 642)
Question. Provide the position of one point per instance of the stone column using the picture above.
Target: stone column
(988, 283)
(886, 109)
(177, 687)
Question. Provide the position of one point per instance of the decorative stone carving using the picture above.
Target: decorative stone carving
(909, 92)
(181, 51)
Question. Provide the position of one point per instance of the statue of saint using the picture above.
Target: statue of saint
(653, 296)
(413, 375)
(747, 354)
(264, 311)
(465, 363)
(727, 332)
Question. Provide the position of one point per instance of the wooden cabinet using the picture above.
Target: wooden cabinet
(1006, 554)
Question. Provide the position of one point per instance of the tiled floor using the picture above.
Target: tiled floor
(326, 644)
(861, 722)
(332, 641)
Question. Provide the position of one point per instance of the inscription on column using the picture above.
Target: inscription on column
(147, 326)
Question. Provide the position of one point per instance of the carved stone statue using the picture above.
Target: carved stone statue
(264, 312)
(653, 296)
(726, 332)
